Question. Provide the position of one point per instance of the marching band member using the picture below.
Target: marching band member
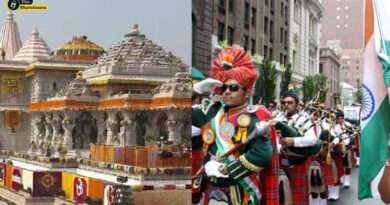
(297, 147)
(228, 125)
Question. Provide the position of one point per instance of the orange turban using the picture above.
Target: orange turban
(236, 64)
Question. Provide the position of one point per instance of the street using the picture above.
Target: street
(349, 196)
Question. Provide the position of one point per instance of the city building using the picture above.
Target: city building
(202, 28)
(304, 36)
(330, 67)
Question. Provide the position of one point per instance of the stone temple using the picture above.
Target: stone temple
(76, 121)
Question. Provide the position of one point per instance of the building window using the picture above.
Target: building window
(230, 35)
(285, 60)
(271, 53)
(321, 68)
(266, 2)
(271, 31)
(253, 50)
(246, 42)
(281, 35)
(254, 16)
(297, 10)
(281, 58)
(246, 15)
(221, 31)
(231, 6)
(286, 14)
(285, 39)
(265, 25)
(265, 51)
(221, 7)
(272, 6)
(281, 9)
(357, 67)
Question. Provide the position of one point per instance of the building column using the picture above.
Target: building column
(100, 126)
(112, 127)
(37, 132)
(175, 125)
(68, 123)
(57, 136)
(128, 129)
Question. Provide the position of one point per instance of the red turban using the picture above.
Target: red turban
(236, 64)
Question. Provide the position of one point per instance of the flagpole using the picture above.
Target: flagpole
(383, 47)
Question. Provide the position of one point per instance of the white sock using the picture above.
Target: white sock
(314, 201)
(347, 180)
(337, 192)
(322, 201)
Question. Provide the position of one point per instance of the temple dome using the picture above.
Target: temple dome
(33, 49)
(79, 48)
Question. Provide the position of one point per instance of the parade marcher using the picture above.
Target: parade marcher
(202, 88)
(339, 144)
(228, 125)
(306, 143)
(321, 173)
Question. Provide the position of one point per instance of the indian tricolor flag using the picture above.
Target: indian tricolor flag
(375, 119)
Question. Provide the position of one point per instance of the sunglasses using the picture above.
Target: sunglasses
(231, 87)
(287, 102)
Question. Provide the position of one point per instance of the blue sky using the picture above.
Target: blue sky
(166, 22)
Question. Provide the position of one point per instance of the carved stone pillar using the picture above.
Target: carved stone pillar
(68, 123)
(57, 136)
(112, 127)
(174, 126)
(100, 126)
(37, 132)
(129, 127)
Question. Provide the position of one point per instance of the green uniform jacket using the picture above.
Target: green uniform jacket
(254, 156)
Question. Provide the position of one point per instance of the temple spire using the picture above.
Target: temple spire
(9, 37)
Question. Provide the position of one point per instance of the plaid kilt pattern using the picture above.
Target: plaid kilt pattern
(327, 173)
(299, 181)
(338, 158)
(269, 177)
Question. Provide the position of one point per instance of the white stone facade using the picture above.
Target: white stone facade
(304, 38)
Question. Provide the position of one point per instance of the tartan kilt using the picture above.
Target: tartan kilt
(327, 170)
(299, 182)
(338, 159)
(269, 183)
(269, 177)
(285, 189)
(316, 176)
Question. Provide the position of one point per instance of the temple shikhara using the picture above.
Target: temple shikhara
(80, 124)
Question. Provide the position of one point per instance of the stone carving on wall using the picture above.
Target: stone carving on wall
(78, 87)
(68, 123)
(112, 126)
(85, 131)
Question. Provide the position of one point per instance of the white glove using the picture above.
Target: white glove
(212, 168)
(195, 131)
(206, 86)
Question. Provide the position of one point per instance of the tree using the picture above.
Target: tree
(359, 95)
(266, 84)
(312, 85)
(286, 80)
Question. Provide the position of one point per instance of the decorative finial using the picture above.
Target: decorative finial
(135, 29)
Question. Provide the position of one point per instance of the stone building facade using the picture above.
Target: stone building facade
(330, 67)
(304, 36)
(202, 27)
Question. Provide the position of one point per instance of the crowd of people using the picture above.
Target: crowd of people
(280, 153)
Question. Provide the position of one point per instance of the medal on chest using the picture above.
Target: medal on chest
(227, 131)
